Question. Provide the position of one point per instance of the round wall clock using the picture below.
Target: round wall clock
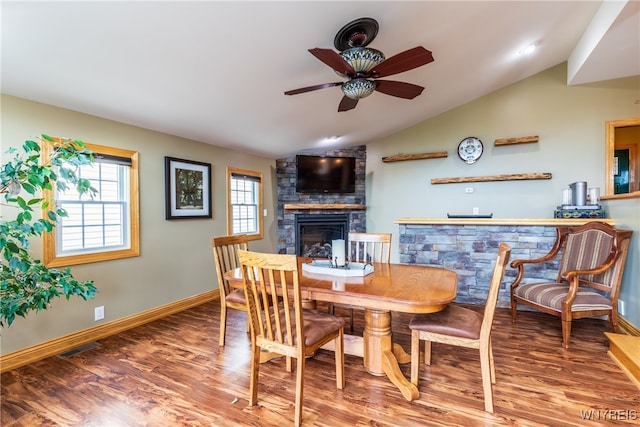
(470, 149)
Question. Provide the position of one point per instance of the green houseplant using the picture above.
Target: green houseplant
(26, 284)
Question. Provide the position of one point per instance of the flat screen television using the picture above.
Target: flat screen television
(323, 174)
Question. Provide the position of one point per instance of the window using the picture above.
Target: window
(104, 227)
(244, 203)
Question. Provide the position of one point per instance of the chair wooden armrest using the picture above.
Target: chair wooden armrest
(608, 263)
(569, 275)
(520, 264)
(553, 252)
(573, 278)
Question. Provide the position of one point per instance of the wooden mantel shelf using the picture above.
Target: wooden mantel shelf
(345, 206)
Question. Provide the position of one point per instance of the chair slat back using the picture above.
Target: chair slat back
(273, 295)
(369, 247)
(504, 252)
(225, 255)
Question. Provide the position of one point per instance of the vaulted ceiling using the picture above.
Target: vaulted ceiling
(216, 71)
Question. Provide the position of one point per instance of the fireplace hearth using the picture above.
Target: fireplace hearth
(315, 232)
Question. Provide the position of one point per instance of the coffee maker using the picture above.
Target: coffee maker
(579, 201)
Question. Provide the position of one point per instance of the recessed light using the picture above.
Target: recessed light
(527, 50)
(333, 138)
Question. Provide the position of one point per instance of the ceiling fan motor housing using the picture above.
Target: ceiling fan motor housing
(357, 33)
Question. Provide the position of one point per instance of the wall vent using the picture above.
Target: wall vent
(78, 350)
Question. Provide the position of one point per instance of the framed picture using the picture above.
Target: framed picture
(187, 189)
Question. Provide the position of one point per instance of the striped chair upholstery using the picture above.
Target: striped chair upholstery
(592, 259)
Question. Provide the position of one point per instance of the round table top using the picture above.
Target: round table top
(393, 287)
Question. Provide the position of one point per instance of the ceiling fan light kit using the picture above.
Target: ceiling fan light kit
(362, 59)
(362, 65)
(358, 88)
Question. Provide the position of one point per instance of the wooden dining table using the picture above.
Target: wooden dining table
(390, 287)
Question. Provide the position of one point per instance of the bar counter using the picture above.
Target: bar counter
(469, 247)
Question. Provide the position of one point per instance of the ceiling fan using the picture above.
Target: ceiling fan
(363, 66)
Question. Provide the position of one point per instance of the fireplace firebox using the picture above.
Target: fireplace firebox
(314, 233)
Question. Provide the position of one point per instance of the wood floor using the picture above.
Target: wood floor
(171, 372)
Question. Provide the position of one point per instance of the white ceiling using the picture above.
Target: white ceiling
(216, 71)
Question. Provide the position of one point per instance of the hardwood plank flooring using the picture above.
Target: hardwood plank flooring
(171, 372)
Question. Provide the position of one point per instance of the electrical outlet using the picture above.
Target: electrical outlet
(621, 307)
(99, 313)
(476, 211)
(468, 190)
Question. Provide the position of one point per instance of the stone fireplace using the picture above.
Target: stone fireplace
(292, 205)
(315, 232)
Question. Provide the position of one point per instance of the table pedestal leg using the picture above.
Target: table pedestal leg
(380, 352)
(401, 356)
(309, 304)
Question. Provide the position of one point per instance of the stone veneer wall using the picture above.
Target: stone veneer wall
(286, 193)
(471, 251)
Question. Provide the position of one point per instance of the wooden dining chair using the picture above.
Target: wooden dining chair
(225, 249)
(463, 327)
(591, 262)
(369, 247)
(280, 325)
(364, 248)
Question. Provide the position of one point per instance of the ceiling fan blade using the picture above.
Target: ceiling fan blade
(404, 61)
(312, 88)
(347, 104)
(333, 60)
(399, 89)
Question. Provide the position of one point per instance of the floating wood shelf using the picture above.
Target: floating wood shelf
(419, 156)
(512, 141)
(489, 178)
(302, 206)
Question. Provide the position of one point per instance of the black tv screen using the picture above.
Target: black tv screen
(318, 174)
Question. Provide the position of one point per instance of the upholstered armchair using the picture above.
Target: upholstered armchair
(592, 259)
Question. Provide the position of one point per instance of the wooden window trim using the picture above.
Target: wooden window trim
(50, 257)
(230, 171)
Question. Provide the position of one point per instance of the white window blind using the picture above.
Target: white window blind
(100, 223)
(244, 203)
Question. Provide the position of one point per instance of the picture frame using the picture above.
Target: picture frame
(187, 188)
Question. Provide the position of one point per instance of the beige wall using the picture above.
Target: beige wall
(176, 257)
(176, 260)
(627, 215)
(570, 121)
